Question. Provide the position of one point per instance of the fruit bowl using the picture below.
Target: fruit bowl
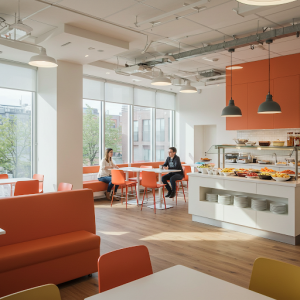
(265, 177)
(281, 179)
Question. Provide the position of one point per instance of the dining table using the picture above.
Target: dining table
(179, 283)
(13, 181)
(159, 171)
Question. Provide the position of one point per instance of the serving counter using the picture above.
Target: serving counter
(280, 227)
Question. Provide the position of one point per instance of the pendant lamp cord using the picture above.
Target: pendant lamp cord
(269, 70)
(231, 75)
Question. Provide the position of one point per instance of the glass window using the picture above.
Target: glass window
(16, 132)
(160, 130)
(135, 131)
(163, 133)
(91, 132)
(117, 130)
(146, 130)
(142, 151)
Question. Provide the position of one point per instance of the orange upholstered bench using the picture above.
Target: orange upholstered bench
(50, 238)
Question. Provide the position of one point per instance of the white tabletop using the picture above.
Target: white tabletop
(2, 231)
(156, 170)
(178, 283)
(14, 180)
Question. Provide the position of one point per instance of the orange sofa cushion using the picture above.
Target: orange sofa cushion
(95, 185)
(33, 252)
(91, 169)
(32, 217)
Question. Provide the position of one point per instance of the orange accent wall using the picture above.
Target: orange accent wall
(250, 88)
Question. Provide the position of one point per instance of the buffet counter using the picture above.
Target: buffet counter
(280, 227)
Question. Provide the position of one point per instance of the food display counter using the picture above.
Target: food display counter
(283, 227)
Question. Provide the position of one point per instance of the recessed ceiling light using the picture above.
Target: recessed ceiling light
(210, 59)
(234, 68)
(107, 73)
(265, 2)
(136, 80)
(155, 23)
(87, 55)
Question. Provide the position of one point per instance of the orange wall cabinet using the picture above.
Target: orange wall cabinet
(239, 95)
(286, 93)
(257, 92)
(251, 88)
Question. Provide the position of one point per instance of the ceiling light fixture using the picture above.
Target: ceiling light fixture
(265, 2)
(187, 88)
(234, 68)
(161, 80)
(87, 55)
(231, 110)
(269, 106)
(43, 60)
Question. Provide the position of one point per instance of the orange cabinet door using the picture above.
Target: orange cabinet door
(239, 95)
(257, 92)
(286, 93)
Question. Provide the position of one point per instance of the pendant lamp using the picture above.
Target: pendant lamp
(231, 110)
(161, 80)
(269, 106)
(265, 2)
(43, 60)
(187, 88)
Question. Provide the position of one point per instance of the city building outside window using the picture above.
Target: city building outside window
(117, 131)
(16, 132)
(146, 130)
(160, 130)
(135, 131)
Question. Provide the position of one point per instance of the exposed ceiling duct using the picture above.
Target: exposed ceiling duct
(236, 43)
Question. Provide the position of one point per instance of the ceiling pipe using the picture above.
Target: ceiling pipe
(234, 44)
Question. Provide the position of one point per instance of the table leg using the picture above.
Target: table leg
(160, 205)
(133, 202)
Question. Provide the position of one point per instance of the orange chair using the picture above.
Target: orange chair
(149, 181)
(135, 178)
(123, 266)
(26, 187)
(3, 176)
(40, 178)
(63, 186)
(186, 170)
(118, 178)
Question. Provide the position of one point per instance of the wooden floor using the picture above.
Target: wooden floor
(172, 239)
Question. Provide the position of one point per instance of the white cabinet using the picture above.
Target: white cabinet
(240, 216)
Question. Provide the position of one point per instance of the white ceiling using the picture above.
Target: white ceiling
(213, 25)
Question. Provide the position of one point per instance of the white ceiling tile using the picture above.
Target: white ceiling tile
(285, 16)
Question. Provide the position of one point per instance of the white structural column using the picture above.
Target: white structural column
(59, 125)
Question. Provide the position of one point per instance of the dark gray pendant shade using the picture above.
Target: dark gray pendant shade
(231, 110)
(269, 106)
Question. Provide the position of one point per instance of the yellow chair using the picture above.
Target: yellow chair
(275, 279)
(43, 292)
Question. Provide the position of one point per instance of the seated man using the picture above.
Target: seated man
(172, 163)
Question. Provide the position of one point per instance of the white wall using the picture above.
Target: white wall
(59, 125)
(200, 109)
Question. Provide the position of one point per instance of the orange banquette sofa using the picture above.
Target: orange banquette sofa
(98, 186)
(50, 238)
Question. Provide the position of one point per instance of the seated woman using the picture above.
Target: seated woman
(104, 174)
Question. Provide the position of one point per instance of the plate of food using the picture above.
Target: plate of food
(252, 175)
(280, 177)
(205, 159)
(267, 170)
(240, 174)
(265, 176)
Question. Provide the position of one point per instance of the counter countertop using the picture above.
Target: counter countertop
(292, 183)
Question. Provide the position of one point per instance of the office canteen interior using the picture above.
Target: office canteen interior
(149, 149)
